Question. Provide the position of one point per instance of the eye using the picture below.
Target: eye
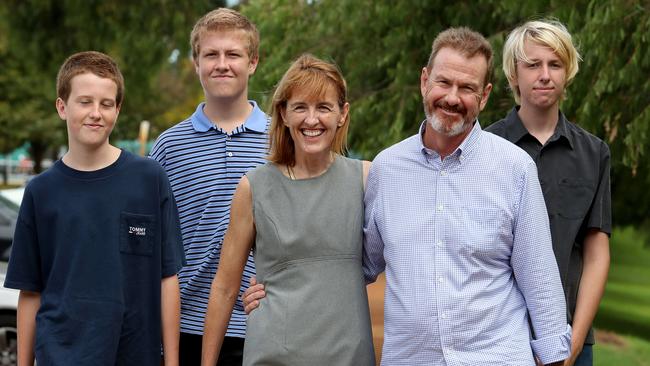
(325, 108)
(533, 65)
(298, 108)
(108, 104)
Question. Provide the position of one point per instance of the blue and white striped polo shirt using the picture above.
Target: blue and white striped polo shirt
(204, 165)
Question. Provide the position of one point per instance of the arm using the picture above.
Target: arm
(366, 169)
(225, 286)
(536, 272)
(373, 245)
(171, 313)
(28, 304)
(595, 255)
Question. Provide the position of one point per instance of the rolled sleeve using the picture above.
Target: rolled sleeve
(553, 348)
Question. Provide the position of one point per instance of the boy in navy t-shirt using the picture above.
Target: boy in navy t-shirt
(97, 243)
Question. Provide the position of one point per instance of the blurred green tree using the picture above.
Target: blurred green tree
(382, 45)
(38, 35)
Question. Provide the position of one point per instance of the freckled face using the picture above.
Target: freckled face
(90, 111)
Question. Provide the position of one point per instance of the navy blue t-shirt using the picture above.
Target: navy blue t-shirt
(96, 245)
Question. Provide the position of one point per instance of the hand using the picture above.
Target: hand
(576, 349)
(252, 295)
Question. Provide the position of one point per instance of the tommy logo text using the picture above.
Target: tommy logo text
(139, 231)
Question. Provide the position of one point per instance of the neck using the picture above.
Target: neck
(227, 113)
(443, 145)
(310, 166)
(540, 122)
(91, 159)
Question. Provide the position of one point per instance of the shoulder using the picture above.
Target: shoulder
(177, 131)
(498, 128)
(142, 165)
(405, 149)
(586, 140)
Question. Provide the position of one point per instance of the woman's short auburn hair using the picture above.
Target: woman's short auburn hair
(316, 76)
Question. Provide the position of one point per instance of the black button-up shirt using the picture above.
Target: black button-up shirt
(573, 168)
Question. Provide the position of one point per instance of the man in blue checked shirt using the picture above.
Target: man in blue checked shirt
(456, 218)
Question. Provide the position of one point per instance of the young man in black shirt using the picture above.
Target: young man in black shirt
(540, 61)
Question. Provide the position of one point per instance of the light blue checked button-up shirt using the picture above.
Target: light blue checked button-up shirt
(466, 247)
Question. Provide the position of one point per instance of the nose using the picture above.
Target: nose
(452, 97)
(545, 75)
(312, 116)
(221, 63)
(94, 112)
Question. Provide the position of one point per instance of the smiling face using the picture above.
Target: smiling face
(453, 92)
(313, 120)
(541, 79)
(223, 64)
(90, 111)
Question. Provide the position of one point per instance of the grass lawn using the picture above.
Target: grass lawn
(625, 308)
(612, 349)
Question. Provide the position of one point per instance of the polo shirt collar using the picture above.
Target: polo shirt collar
(515, 129)
(256, 120)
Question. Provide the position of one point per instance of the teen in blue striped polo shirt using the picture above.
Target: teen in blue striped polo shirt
(205, 156)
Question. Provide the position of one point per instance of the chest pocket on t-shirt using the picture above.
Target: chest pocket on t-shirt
(136, 233)
(575, 197)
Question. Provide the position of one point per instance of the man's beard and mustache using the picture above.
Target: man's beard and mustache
(447, 129)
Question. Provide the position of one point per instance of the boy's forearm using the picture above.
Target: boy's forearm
(170, 310)
(592, 285)
(28, 305)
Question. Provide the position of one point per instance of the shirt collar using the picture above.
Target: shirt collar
(255, 121)
(463, 151)
(515, 129)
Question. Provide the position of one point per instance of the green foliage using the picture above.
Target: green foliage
(381, 47)
(625, 308)
(41, 34)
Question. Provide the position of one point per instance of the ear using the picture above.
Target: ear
(252, 65)
(344, 114)
(485, 95)
(60, 108)
(196, 65)
(424, 78)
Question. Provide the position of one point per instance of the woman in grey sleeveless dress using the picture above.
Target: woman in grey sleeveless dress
(302, 213)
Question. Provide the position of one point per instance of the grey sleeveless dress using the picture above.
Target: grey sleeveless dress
(308, 252)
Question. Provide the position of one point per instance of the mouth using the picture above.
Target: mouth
(311, 132)
(93, 125)
(449, 110)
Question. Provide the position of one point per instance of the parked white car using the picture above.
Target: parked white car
(9, 204)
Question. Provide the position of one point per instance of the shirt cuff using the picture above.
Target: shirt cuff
(553, 348)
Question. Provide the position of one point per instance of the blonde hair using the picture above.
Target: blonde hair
(466, 41)
(316, 76)
(546, 32)
(224, 19)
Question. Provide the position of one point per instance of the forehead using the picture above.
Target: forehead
(452, 64)
(534, 50)
(313, 91)
(88, 83)
(224, 39)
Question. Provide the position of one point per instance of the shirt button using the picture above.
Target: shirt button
(443, 316)
(440, 207)
(443, 173)
(229, 154)
(228, 138)
(441, 280)
(439, 243)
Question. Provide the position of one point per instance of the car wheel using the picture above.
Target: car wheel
(8, 343)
